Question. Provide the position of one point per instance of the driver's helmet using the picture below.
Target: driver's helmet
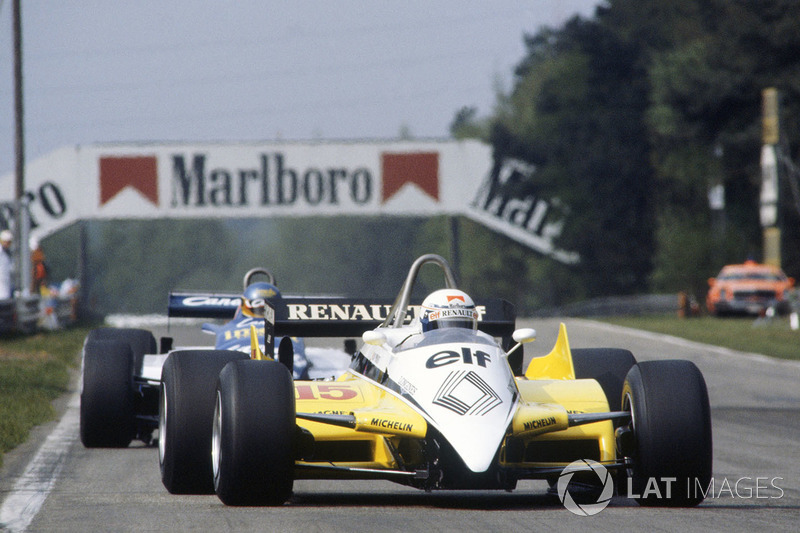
(448, 308)
(254, 299)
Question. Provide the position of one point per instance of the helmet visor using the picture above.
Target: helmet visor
(254, 307)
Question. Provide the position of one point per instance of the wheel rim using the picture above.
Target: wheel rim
(162, 425)
(627, 405)
(216, 437)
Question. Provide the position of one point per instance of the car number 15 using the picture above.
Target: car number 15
(314, 391)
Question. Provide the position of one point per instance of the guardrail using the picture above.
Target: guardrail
(8, 315)
(28, 314)
(19, 314)
(617, 305)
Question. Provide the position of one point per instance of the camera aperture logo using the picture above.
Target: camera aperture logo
(586, 467)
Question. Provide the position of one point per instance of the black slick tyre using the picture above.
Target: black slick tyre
(253, 434)
(107, 417)
(671, 425)
(141, 341)
(608, 366)
(186, 408)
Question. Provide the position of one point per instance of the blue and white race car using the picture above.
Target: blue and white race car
(122, 367)
(235, 334)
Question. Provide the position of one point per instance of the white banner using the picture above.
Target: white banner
(425, 178)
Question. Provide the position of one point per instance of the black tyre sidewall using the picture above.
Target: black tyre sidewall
(188, 381)
(672, 431)
(141, 341)
(256, 452)
(609, 366)
(107, 417)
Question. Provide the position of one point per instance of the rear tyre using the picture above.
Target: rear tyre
(107, 417)
(608, 366)
(253, 434)
(186, 409)
(671, 425)
(141, 342)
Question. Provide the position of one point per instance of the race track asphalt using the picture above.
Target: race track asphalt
(756, 427)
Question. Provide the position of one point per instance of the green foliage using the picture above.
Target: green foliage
(467, 125)
(706, 110)
(630, 117)
(34, 370)
(684, 255)
(576, 114)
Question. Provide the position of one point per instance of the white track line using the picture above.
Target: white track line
(33, 486)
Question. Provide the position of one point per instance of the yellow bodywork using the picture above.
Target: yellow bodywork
(387, 428)
(382, 422)
(555, 365)
(549, 393)
(255, 348)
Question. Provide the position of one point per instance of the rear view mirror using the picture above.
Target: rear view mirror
(524, 335)
(374, 338)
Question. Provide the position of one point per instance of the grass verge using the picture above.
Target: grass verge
(34, 370)
(773, 337)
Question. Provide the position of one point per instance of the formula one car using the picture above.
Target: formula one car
(121, 368)
(432, 401)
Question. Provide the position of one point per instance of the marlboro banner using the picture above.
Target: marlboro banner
(402, 178)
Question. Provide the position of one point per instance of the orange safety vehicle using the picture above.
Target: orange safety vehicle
(749, 288)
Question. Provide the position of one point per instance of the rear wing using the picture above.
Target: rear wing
(330, 316)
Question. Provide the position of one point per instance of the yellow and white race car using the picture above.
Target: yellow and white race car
(431, 400)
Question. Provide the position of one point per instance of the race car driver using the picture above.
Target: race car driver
(448, 308)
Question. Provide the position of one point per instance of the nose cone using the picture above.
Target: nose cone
(466, 392)
(476, 440)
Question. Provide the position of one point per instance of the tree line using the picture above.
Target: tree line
(631, 117)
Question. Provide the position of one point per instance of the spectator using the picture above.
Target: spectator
(6, 265)
(39, 279)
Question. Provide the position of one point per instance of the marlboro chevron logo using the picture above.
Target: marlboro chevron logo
(118, 173)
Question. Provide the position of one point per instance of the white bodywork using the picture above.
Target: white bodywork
(458, 379)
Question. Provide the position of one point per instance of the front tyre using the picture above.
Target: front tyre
(671, 425)
(253, 434)
(186, 409)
